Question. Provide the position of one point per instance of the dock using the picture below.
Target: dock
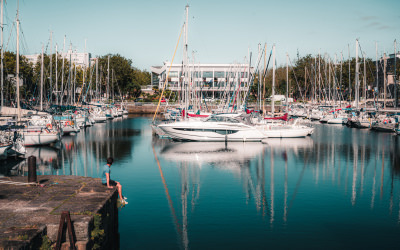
(30, 213)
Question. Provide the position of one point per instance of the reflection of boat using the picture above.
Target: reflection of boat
(214, 128)
(289, 143)
(44, 155)
(213, 152)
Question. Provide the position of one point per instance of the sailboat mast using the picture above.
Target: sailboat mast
(62, 74)
(2, 57)
(97, 77)
(348, 46)
(17, 74)
(185, 64)
(357, 77)
(41, 80)
(51, 65)
(365, 82)
(108, 79)
(377, 68)
(70, 72)
(341, 78)
(56, 77)
(395, 76)
(273, 82)
(287, 82)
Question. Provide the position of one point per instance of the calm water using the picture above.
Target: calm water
(338, 188)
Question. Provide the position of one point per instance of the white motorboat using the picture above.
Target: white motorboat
(213, 128)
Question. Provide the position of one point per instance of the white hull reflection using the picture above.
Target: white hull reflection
(211, 153)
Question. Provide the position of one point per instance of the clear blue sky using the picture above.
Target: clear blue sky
(220, 31)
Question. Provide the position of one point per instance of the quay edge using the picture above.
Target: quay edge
(30, 214)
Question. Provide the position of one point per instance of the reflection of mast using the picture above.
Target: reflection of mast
(374, 182)
(355, 163)
(286, 191)
(383, 165)
(184, 192)
(362, 168)
(272, 186)
(177, 226)
(264, 200)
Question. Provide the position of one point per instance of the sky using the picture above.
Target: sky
(219, 31)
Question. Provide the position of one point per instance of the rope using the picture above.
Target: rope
(166, 79)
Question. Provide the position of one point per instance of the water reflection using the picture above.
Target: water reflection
(349, 166)
(80, 154)
(335, 177)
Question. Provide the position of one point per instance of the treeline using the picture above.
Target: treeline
(313, 76)
(125, 79)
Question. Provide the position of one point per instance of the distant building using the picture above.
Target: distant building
(212, 79)
(79, 59)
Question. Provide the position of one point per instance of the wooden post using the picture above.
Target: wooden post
(32, 169)
(65, 218)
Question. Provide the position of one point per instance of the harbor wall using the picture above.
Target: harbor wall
(30, 214)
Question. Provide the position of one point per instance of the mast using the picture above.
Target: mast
(186, 62)
(51, 65)
(348, 46)
(357, 77)
(70, 70)
(112, 84)
(41, 80)
(56, 77)
(319, 77)
(62, 74)
(365, 83)
(341, 77)
(395, 76)
(108, 79)
(17, 74)
(2, 57)
(265, 65)
(287, 81)
(385, 79)
(74, 85)
(377, 68)
(273, 82)
(97, 76)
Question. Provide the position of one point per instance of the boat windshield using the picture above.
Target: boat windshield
(221, 119)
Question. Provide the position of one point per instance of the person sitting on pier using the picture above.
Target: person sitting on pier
(106, 180)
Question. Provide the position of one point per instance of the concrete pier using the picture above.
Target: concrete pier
(30, 214)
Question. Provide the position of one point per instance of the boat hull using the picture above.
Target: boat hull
(186, 131)
(40, 138)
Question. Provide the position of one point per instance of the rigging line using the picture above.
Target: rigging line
(167, 193)
(166, 79)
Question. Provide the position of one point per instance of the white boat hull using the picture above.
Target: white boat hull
(199, 131)
(40, 138)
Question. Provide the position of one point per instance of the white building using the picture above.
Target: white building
(79, 59)
(211, 79)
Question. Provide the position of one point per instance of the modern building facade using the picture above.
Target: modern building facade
(212, 79)
(79, 59)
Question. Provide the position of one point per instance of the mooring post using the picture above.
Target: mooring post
(32, 169)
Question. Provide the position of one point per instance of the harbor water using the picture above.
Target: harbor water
(338, 188)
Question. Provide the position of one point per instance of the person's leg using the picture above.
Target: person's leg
(119, 187)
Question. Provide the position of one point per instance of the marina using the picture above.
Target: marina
(294, 145)
(237, 194)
